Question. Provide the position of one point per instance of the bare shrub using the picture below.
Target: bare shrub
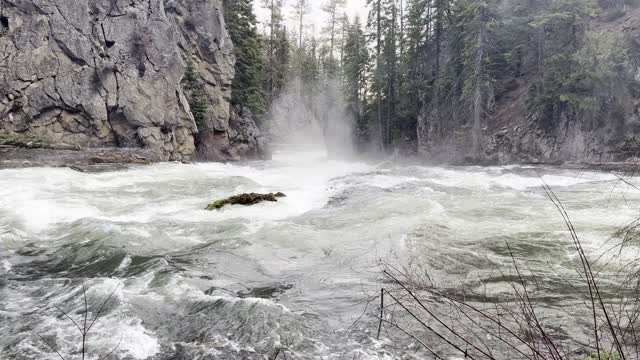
(456, 321)
(84, 326)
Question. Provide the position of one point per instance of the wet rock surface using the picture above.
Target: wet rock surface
(86, 160)
(110, 74)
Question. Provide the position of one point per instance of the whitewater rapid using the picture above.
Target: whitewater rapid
(245, 281)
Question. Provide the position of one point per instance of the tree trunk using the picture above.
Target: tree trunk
(301, 9)
(271, 53)
(401, 30)
(333, 34)
(391, 72)
(378, 71)
(478, 108)
(344, 29)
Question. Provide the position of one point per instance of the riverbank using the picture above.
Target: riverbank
(83, 160)
(112, 159)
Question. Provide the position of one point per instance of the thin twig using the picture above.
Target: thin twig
(381, 312)
(48, 344)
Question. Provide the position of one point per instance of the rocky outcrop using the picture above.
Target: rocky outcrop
(246, 138)
(110, 73)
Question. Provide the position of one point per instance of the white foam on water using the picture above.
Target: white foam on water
(5, 266)
(153, 209)
(36, 197)
(388, 181)
(134, 340)
(41, 198)
(474, 178)
(137, 342)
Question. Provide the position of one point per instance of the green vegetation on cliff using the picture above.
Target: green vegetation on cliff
(248, 84)
(196, 96)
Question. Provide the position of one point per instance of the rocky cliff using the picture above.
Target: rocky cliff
(547, 89)
(111, 73)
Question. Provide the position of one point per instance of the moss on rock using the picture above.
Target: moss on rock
(22, 141)
(245, 199)
(31, 142)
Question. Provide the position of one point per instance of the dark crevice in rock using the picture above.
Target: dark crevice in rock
(4, 25)
(126, 135)
(108, 43)
(25, 83)
(110, 119)
(171, 9)
(50, 112)
(70, 23)
(53, 98)
(139, 43)
(69, 54)
(57, 90)
(150, 62)
(114, 7)
(111, 110)
(97, 80)
(115, 74)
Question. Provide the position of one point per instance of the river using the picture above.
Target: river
(241, 282)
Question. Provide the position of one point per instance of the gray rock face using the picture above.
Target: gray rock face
(109, 73)
(246, 139)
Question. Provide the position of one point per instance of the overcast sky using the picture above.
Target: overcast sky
(316, 16)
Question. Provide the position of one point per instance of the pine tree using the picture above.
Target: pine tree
(344, 28)
(274, 75)
(390, 61)
(415, 36)
(356, 58)
(248, 84)
(301, 9)
(479, 80)
(196, 96)
(374, 25)
(282, 62)
(383, 31)
(439, 38)
(310, 72)
(332, 8)
(556, 62)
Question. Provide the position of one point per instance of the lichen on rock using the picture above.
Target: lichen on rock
(32, 142)
(245, 199)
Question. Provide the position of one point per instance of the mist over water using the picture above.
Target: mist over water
(315, 116)
(241, 282)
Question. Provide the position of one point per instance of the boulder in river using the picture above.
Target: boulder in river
(245, 199)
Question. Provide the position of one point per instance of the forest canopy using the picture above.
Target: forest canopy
(417, 75)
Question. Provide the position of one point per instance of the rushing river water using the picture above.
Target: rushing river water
(241, 282)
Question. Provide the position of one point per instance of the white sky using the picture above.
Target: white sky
(316, 17)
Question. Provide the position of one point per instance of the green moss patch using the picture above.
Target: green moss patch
(245, 199)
